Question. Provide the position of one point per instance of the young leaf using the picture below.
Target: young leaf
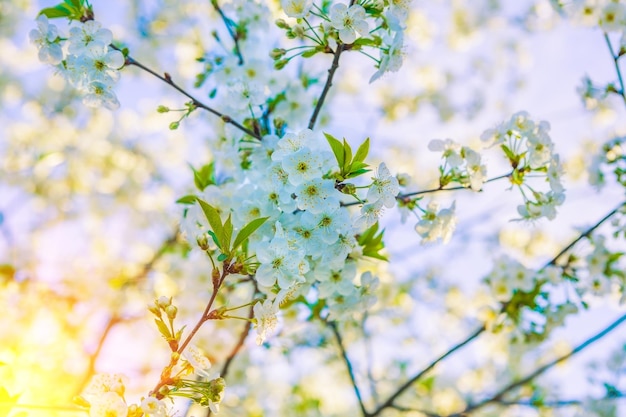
(163, 329)
(362, 152)
(215, 239)
(337, 149)
(60, 10)
(247, 230)
(347, 156)
(214, 219)
(227, 234)
(187, 199)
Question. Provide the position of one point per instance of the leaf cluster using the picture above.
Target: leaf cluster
(349, 166)
(72, 9)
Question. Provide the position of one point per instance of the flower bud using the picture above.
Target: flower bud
(164, 301)
(174, 125)
(203, 241)
(282, 24)
(277, 53)
(163, 109)
(171, 312)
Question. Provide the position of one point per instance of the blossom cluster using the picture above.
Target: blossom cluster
(530, 151)
(610, 15)
(85, 59)
(373, 24)
(310, 240)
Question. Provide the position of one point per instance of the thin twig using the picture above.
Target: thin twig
(402, 197)
(227, 23)
(368, 354)
(583, 235)
(237, 347)
(560, 403)
(166, 78)
(91, 367)
(615, 57)
(344, 355)
(329, 83)
(416, 377)
(498, 396)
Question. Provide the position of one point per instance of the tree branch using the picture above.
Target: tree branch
(344, 355)
(416, 377)
(401, 197)
(498, 396)
(329, 83)
(166, 78)
(389, 402)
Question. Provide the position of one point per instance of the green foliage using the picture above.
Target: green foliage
(349, 166)
(71, 9)
(204, 176)
(372, 243)
(222, 232)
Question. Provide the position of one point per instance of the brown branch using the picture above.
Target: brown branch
(166, 78)
(91, 367)
(401, 197)
(329, 82)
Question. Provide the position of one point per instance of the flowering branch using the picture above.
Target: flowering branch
(166, 78)
(401, 197)
(389, 402)
(498, 396)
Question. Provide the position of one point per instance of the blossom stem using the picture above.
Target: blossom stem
(205, 317)
(168, 80)
(228, 23)
(319, 41)
(433, 190)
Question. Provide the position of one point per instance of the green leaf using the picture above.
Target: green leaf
(163, 329)
(60, 10)
(227, 234)
(362, 152)
(509, 153)
(215, 239)
(204, 176)
(337, 149)
(214, 219)
(187, 199)
(347, 156)
(309, 53)
(247, 230)
(222, 257)
(73, 3)
(372, 243)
